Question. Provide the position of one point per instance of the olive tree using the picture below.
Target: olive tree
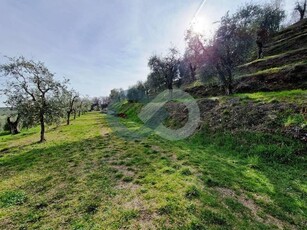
(71, 97)
(194, 54)
(234, 40)
(137, 92)
(117, 95)
(166, 67)
(32, 91)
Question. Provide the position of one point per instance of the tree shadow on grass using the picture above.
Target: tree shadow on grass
(5, 133)
(53, 176)
(41, 156)
(279, 186)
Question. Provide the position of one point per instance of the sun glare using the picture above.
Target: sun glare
(198, 26)
(202, 26)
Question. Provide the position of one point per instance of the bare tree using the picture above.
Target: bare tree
(301, 8)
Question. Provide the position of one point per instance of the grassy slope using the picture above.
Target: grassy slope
(85, 177)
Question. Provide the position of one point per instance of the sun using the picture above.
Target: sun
(201, 25)
(197, 26)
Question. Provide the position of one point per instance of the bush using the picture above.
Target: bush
(135, 95)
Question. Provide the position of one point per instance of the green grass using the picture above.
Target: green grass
(297, 96)
(194, 84)
(268, 58)
(274, 70)
(10, 198)
(85, 177)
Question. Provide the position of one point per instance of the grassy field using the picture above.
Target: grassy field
(85, 177)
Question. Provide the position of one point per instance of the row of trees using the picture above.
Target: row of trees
(234, 43)
(36, 97)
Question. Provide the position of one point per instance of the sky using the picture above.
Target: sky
(102, 44)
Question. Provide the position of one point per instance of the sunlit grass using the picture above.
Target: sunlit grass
(297, 96)
(85, 177)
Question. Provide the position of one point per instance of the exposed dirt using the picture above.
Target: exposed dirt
(293, 37)
(127, 198)
(275, 61)
(291, 30)
(287, 79)
(253, 207)
(235, 114)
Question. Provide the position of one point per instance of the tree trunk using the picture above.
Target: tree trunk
(79, 113)
(301, 9)
(13, 125)
(192, 72)
(42, 124)
(75, 115)
(229, 89)
(229, 83)
(223, 79)
(68, 118)
(304, 10)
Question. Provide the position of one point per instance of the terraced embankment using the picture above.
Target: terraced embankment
(284, 66)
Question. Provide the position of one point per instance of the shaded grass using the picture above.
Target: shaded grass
(52, 176)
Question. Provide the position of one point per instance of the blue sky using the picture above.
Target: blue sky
(100, 44)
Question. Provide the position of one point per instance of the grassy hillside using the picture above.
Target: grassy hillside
(85, 177)
(282, 68)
